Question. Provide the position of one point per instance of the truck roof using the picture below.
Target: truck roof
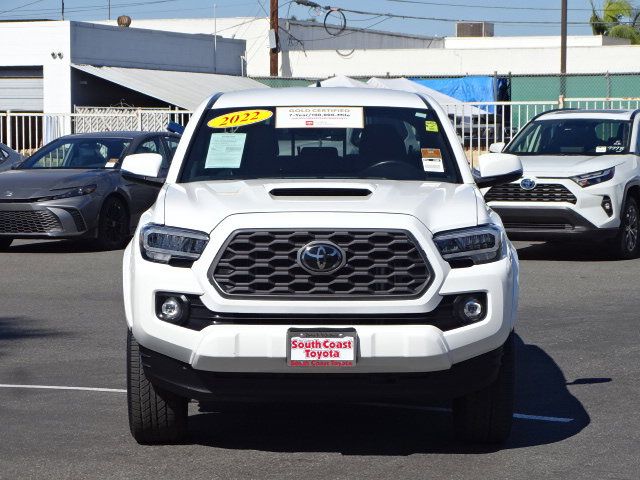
(320, 96)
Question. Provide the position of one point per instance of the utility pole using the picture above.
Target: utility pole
(273, 37)
(563, 53)
(109, 9)
(215, 40)
(62, 9)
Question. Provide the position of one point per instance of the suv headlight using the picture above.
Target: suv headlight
(162, 244)
(594, 178)
(472, 246)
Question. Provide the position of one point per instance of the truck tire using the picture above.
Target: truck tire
(155, 416)
(486, 416)
(625, 244)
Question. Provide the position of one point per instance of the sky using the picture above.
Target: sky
(512, 17)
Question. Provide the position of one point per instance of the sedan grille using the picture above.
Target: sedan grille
(542, 192)
(265, 263)
(28, 221)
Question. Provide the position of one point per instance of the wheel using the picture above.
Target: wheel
(486, 416)
(5, 243)
(155, 415)
(113, 225)
(626, 242)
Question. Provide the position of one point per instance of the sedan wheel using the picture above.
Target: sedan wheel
(113, 224)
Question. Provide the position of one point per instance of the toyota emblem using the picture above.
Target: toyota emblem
(527, 184)
(321, 257)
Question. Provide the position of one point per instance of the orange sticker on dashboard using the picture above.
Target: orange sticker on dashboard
(240, 118)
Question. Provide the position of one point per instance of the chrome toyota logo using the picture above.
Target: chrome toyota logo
(527, 184)
(321, 257)
(8, 193)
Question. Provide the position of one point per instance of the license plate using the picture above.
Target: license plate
(321, 348)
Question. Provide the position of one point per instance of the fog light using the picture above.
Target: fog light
(172, 308)
(470, 308)
(607, 206)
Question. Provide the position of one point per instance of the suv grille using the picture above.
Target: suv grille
(543, 192)
(378, 263)
(28, 221)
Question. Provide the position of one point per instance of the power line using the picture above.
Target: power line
(21, 6)
(493, 7)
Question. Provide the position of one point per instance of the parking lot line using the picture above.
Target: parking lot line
(60, 387)
(519, 416)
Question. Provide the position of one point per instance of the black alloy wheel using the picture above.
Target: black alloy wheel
(113, 224)
(627, 239)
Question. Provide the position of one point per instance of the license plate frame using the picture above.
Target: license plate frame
(321, 334)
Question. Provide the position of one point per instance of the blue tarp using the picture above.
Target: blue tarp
(465, 89)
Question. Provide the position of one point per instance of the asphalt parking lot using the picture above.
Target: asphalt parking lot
(61, 325)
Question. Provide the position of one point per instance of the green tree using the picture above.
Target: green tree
(617, 19)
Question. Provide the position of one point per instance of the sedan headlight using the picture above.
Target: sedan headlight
(594, 178)
(471, 246)
(71, 192)
(162, 244)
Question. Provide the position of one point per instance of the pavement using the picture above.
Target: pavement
(62, 325)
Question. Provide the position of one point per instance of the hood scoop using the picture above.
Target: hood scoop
(319, 192)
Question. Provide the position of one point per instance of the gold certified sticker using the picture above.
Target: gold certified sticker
(240, 118)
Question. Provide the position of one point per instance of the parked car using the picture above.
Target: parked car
(283, 262)
(8, 157)
(72, 188)
(581, 179)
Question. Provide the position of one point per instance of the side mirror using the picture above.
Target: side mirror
(497, 147)
(496, 169)
(142, 168)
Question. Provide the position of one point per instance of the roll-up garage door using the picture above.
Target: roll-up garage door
(21, 94)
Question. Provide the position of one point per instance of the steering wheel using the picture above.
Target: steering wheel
(393, 167)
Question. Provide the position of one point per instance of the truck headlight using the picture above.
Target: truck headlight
(594, 178)
(471, 246)
(163, 244)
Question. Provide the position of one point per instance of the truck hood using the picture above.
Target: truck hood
(36, 183)
(439, 206)
(566, 165)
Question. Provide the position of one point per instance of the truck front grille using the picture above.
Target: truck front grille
(28, 221)
(542, 192)
(265, 263)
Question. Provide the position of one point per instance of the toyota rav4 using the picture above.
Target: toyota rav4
(581, 179)
(321, 245)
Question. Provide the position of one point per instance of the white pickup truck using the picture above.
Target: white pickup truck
(321, 245)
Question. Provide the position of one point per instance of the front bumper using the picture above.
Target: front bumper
(549, 223)
(188, 382)
(65, 218)
(261, 348)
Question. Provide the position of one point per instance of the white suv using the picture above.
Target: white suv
(581, 179)
(320, 245)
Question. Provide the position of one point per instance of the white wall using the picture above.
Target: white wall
(614, 59)
(546, 41)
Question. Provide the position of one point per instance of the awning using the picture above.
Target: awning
(182, 89)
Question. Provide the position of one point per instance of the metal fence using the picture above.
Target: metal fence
(478, 124)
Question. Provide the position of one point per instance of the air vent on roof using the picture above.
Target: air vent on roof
(320, 192)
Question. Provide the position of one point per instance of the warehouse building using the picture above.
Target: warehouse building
(56, 66)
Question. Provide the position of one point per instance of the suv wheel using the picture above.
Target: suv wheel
(626, 242)
(5, 243)
(155, 416)
(486, 416)
(113, 224)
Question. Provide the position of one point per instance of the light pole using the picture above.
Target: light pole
(563, 52)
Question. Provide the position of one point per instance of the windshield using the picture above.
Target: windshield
(79, 153)
(320, 142)
(572, 137)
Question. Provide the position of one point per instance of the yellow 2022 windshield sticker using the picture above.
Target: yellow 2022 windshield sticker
(240, 118)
